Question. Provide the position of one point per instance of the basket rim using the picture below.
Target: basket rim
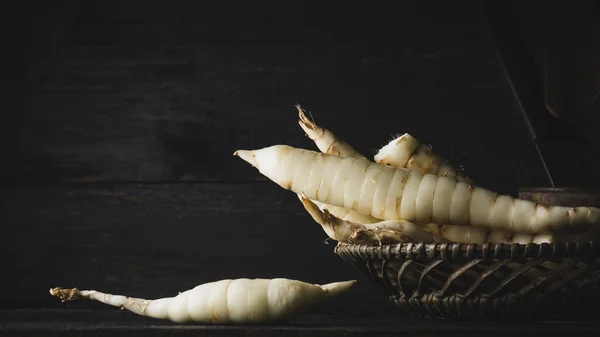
(470, 251)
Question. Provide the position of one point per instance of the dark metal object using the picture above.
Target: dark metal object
(519, 70)
(561, 196)
(484, 281)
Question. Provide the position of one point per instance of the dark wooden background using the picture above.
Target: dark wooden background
(118, 166)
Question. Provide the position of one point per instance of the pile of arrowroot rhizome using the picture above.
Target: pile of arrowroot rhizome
(408, 193)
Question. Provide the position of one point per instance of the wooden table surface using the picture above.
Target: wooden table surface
(97, 322)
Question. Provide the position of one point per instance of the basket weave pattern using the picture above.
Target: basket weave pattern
(483, 281)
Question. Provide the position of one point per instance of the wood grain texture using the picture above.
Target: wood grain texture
(108, 323)
(164, 93)
(155, 240)
(119, 172)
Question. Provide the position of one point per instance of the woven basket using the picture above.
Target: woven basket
(485, 281)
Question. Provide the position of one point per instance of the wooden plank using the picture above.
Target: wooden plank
(108, 323)
(184, 22)
(192, 22)
(158, 239)
(174, 110)
(165, 113)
